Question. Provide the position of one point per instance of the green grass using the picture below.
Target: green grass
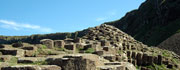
(60, 49)
(40, 63)
(89, 50)
(1, 60)
(13, 61)
(166, 53)
(44, 47)
(35, 63)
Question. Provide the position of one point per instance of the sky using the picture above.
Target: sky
(27, 17)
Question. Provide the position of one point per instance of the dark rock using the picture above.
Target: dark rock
(16, 45)
(129, 54)
(100, 53)
(145, 59)
(8, 52)
(59, 43)
(2, 46)
(134, 54)
(134, 62)
(111, 58)
(150, 60)
(139, 58)
(105, 43)
(70, 46)
(106, 48)
(170, 66)
(159, 59)
(30, 48)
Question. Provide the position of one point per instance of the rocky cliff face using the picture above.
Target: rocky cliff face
(172, 43)
(153, 22)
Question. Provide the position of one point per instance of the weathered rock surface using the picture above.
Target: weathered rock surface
(32, 67)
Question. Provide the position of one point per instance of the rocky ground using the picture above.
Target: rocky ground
(102, 48)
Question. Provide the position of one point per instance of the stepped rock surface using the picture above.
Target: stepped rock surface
(102, 47)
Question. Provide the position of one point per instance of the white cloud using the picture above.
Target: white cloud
(18, 26)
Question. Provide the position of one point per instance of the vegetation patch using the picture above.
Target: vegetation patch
(89, 50)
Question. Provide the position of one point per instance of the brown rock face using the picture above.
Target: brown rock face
(77, 63)
(32, 67)
(59, 43)
(48, 43)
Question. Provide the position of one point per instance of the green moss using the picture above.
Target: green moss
(60, 49)
(44, 47)
(1, 60)
(49, 52)
(166, 53)
(35, 63)
(40, 63)
(89, 50)
(13, 61)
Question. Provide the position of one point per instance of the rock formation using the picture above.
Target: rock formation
(102, 48)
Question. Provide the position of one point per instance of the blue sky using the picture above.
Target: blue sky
(26, 17)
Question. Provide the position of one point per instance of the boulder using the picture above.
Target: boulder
(30, 53)
(73, 63)
(59, 43)
(48, 43)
